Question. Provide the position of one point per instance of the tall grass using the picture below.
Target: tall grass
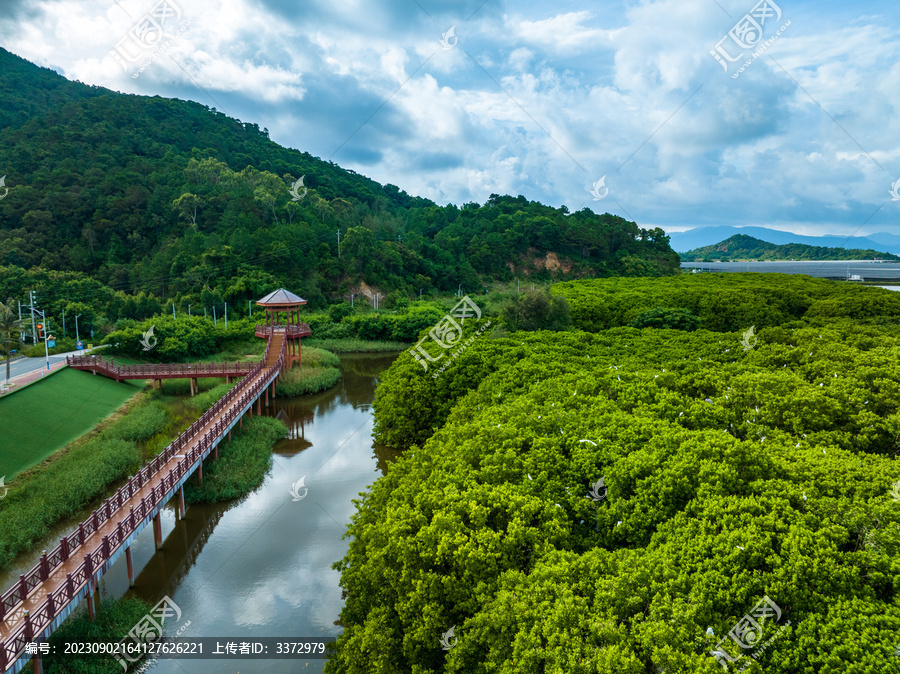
(242, 464)
(203, 401)
(67, 485)
(352, 345)
(316, 357)
(142, 423)
(305, 380)
(112, 622)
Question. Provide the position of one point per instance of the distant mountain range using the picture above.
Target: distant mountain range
(741, 247)
(706, 236)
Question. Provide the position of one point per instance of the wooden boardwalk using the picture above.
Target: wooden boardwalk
(42, 598)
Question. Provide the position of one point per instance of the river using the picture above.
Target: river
(842, 269)
(262, 566)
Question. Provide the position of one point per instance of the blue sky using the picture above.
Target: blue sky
(534, 98)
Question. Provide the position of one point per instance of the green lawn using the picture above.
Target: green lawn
(46, 416)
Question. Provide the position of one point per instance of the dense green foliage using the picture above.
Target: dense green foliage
(112, 622)
(730, 474)
(674, 319)
(724, 302)
(157, 198)
(741, 247)
(242, 464)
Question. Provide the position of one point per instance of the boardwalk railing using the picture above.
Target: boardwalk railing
(108, 366)
(292, 331)
(232, 403)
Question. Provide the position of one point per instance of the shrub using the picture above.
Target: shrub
(674, 319)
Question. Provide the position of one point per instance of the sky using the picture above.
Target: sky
(671, 113)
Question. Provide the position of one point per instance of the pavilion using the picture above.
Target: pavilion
(287, 303)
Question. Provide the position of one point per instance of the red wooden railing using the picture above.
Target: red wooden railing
(292, 330)
(108, 366)
(231, 403)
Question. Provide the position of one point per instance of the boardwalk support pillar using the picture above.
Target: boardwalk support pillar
(181, 501)
(90, 600)
(200, 472)
(259, 405)
(130, 565)
(157, 530)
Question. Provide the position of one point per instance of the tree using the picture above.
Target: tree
(675, 319)
(10, 328)
(537, 311)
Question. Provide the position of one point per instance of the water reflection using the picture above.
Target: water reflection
(262, 566)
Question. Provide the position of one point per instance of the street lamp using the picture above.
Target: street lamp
(420, 294)
(76, 330)
(459, 292)
(189, 310)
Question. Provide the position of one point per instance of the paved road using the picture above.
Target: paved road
(26, 365)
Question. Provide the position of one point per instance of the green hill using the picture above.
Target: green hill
(178, 201)
(741, 247)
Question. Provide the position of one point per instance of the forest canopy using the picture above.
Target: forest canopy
(620, 500)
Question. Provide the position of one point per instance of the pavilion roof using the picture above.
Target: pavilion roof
(280, 298)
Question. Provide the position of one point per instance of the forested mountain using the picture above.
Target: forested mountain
(174, 199)
(743, 247)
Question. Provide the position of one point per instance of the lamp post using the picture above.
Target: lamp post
(189, 310)
(459, 292)
(76, 330)
(420, 294)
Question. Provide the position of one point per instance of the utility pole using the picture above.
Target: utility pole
(226, 315)
(204, 312)
(189, 310)
(420, 294)
(214, 315)
(339, 243)
(77, 339)
(33, 330)
(249, 309)
(64, 322)
(173, 309)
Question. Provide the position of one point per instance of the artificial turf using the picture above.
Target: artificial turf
(47, 415)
